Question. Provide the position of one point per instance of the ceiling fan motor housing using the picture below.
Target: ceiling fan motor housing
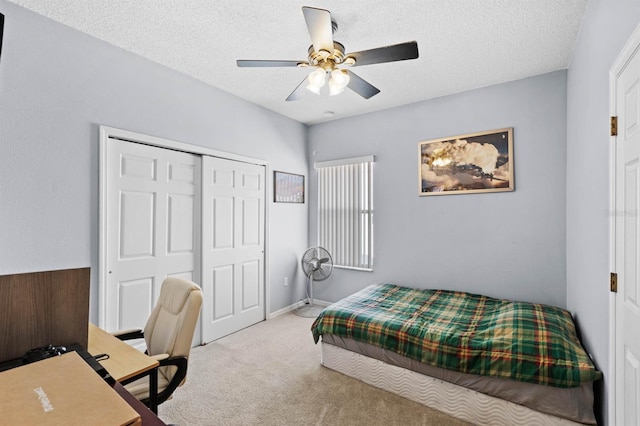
(328, 60)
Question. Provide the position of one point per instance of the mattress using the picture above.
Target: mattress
(574, 404)
(465, 332)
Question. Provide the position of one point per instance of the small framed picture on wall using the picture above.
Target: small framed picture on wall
(288, 187)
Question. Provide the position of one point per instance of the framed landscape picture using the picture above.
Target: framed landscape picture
(467, 164)
(288, 188)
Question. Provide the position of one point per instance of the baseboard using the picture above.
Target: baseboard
(293, 306)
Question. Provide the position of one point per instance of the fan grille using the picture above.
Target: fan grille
(317, 263)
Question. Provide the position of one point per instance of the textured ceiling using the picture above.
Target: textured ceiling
(463, 44)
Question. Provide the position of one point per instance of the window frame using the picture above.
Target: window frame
(365, 251)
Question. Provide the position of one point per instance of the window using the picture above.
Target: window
(345, 211)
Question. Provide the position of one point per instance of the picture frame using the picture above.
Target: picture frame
(467, 164)
(288, 187)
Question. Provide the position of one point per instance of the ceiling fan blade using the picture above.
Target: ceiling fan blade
(267, 63)
(320, 29)
(297, 93)
(395, 52)
(360, 86)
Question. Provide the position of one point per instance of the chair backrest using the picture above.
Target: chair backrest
(171, 325)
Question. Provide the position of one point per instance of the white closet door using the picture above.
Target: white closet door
(152, 203)
(233, 217)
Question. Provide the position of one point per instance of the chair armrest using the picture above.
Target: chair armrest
(159, 357)
(128, 334)
(180, 362)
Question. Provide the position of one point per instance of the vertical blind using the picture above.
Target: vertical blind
(345, 211)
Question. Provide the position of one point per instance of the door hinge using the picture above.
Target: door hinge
(613, 284)
(614, 126)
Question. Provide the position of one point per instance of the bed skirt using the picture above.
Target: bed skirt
(451, 399)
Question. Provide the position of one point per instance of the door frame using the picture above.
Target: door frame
(106, 132)
(631, 47)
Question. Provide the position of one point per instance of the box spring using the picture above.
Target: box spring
(476, 399)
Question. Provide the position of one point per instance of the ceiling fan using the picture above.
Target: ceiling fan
(328, 56)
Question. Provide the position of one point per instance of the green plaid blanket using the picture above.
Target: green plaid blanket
(464, 332)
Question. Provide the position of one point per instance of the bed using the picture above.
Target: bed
(480, 359)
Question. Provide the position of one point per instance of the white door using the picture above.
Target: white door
(627, 245)
(233, 211)
(152, 203)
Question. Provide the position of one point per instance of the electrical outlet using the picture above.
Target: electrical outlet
(286, 281)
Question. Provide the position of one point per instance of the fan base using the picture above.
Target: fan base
(308, 311)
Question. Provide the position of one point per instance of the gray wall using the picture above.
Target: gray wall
(56, 86)
(606, 28)
(508, 245)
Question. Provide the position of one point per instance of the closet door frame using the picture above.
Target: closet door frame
(106, 132)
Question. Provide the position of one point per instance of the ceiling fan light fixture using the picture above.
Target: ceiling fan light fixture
(338, 81)
(316, 80)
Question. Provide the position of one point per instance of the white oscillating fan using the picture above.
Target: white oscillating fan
(317, 265)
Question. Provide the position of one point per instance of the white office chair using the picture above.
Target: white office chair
(168, 335)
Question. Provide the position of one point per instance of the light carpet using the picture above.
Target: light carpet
(270, 374)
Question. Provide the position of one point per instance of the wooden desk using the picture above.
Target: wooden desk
(61, 390)
(125, 362)
(148, 418)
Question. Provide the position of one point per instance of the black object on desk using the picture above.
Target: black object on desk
(39, 354)
(45, 352)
